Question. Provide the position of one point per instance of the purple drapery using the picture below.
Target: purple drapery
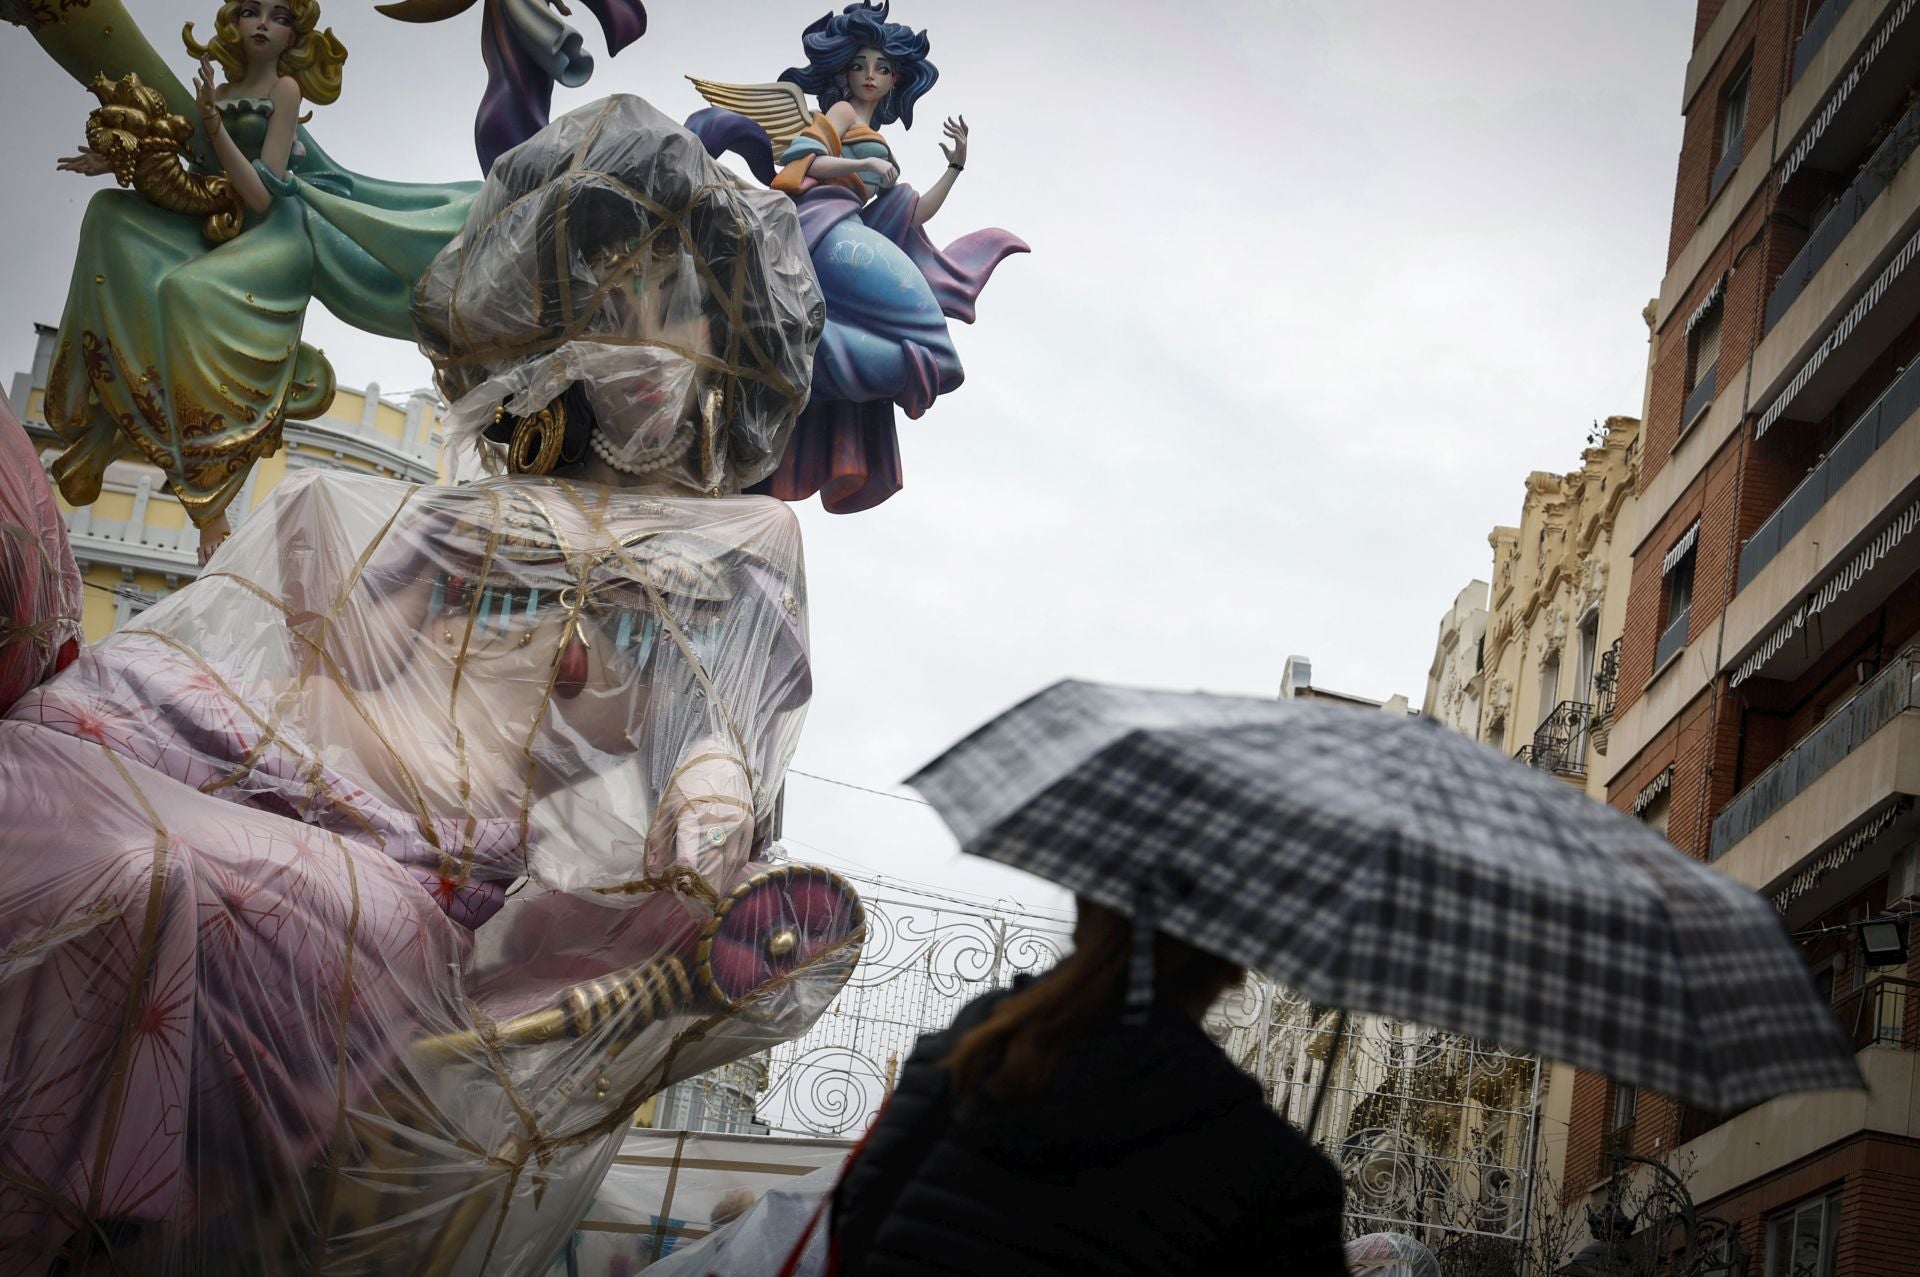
(519, 93)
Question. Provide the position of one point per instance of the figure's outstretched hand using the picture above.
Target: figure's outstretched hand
(89, 163)
(957, 130)
(203, 96)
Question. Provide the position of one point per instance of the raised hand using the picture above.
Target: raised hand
(203, 96)
(957, 130)
(89, 163)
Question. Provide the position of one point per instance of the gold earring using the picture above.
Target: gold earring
(537, 440)
(712, 420)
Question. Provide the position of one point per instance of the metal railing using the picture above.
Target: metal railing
(1606, 683)
(1894, 691)
(1874, 177)
(1673, 638)
(1864, 437)
(1699, 397)
(1819, 26)
(1560, 742)
(1435, 1133)
(1882, 1012)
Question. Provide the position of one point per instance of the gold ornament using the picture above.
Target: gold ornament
(133, 131)
(537, 439)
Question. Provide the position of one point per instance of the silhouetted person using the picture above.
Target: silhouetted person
(1040, 1134)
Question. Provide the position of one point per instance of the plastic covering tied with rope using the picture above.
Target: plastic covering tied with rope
(360, 891)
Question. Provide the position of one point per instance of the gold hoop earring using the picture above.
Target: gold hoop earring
(713, 421)
(537, 440)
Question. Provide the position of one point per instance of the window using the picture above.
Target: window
(1549, 685)
(1626, 1106)
(1589, 648)
(1703, 348)
(1733, 115)
(1679, 589)
(1802, 1240)
(1676, 587)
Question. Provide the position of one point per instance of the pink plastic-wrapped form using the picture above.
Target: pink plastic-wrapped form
(39, 585)
(360, 892)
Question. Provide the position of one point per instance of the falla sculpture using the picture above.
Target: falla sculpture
(181, 338)
(890, 291)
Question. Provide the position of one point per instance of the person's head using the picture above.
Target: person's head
(617, 302)
(857, 55)
(1016, 1050)
(285, 32)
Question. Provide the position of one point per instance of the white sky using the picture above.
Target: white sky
(1314, 286)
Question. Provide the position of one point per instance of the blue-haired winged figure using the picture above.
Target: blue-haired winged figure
(889, 290)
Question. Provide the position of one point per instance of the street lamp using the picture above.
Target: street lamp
(1713, 1246)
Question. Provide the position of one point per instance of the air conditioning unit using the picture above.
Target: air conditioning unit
(1903, 880)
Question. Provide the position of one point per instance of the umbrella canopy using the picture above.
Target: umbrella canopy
(1390, 1255)
(1383, 863)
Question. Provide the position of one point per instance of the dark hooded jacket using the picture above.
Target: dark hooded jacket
(1148, 1153)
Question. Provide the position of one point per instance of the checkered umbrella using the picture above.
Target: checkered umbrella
(1382, 863)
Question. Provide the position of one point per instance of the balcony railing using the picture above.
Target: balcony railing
(1672, 639)
(1819, 26)
(1882, 1012)
(1894, 691)
(1864, 437)
(1606, 683)
(1698, 398)
(1875, 175)
(1560, 742)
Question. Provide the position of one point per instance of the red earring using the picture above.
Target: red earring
(571, 677)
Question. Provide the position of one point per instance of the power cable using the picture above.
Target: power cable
(845, 784)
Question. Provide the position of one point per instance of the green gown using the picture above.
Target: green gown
(189, 355)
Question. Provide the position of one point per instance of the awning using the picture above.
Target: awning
(1841, 331)
(1830, 591)
(1706, 303)
(1824, 117)
(1653, 789)
(1680, 547)
(1841, 852)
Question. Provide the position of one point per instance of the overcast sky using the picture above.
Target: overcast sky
(1314, 286)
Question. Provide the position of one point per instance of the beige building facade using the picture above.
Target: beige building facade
(135, 545)
(1528, 665)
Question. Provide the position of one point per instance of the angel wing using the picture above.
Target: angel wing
(779, 108)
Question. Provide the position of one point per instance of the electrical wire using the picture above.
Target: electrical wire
(845, 784)
(1854, 926)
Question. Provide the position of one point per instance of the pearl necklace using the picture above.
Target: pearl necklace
(646, 462)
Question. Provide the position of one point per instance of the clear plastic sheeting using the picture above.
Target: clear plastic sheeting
(39, 585)
(610, 251)
(359, 893)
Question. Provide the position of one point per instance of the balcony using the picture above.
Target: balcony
(1876, 426)
(1729, 1151)
(1880, 1013)
(1606, 688)
(1560, 742)
(1672, 639)
(1874, 177)
(1894, 692)
(1819, 26)
(1698, 398)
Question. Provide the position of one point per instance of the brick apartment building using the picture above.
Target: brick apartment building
(1768, 708)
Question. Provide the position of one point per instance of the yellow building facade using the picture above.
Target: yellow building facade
(135, 545)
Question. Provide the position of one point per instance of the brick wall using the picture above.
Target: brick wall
(1879, 1179)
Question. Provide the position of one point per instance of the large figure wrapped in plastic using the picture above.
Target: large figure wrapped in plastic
(359, 892)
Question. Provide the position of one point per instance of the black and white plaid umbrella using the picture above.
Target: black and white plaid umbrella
(1382, 863)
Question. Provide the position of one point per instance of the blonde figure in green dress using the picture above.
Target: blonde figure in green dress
(181, 338)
